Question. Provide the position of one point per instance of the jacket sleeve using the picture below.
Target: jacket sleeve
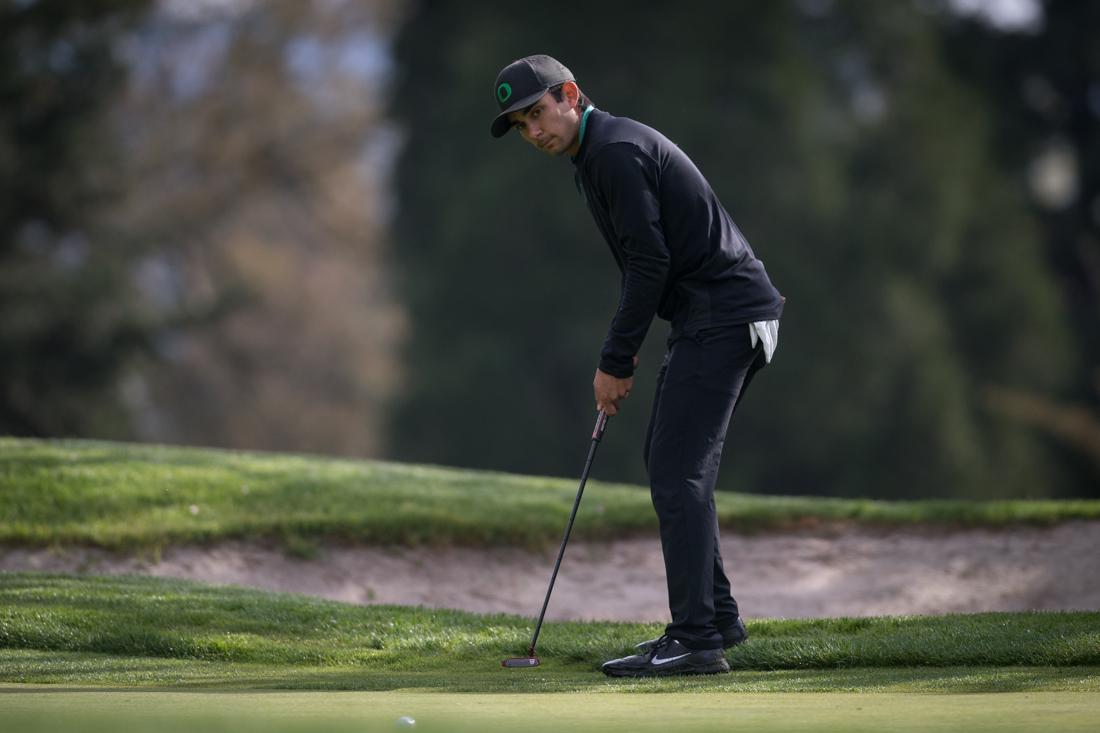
(627, 178)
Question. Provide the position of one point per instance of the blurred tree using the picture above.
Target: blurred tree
(257, 157)
(1042, 82)
(858, 165)
(190, 231)
(65, 329)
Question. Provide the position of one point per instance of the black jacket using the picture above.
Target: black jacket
(681, 256)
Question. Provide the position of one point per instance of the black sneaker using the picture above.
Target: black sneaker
(668, 657)
(731, 637)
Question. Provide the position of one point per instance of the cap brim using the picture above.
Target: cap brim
(501, 123)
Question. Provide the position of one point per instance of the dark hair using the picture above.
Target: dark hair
(582, 101)
(558, 95)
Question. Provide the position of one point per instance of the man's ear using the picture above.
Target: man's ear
(572, 92)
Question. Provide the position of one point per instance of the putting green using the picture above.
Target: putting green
(42, 708)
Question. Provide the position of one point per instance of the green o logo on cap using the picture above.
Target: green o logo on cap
(503, 92)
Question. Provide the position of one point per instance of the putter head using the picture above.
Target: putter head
(531, 661)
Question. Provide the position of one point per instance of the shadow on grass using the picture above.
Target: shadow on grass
(73, 672)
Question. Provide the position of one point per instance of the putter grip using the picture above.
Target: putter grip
(601, 425)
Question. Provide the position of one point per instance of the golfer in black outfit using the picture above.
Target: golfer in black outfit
(683, 259)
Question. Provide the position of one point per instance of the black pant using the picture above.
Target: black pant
(700, 383)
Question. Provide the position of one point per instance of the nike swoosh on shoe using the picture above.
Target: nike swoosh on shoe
(655, 660)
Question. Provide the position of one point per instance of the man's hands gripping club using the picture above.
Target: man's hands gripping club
(609, 390)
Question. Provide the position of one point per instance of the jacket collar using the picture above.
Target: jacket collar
(590, 125)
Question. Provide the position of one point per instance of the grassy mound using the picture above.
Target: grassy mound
(136, 630)
(119, 495)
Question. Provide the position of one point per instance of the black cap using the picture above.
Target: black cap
(521, 83)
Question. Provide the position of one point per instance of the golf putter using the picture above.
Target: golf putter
(531, 660)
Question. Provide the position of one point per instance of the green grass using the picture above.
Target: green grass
(138, 631)
(34, 710)
(144, 654)
(118, 495)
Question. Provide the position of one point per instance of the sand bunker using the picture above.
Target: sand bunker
(839, 571)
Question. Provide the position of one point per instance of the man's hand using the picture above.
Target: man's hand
(609, 390)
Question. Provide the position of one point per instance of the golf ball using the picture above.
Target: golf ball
(405, 722)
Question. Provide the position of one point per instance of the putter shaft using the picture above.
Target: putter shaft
(597, 434)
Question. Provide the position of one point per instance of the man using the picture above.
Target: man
(683, 259)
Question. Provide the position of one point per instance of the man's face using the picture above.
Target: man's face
(550, 125)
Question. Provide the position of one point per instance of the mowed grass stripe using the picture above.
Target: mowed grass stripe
(118, 495)
(37, 709)
(148, 617)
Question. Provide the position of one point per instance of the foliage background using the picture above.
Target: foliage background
(284, 226)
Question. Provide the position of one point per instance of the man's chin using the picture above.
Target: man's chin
(551, 148)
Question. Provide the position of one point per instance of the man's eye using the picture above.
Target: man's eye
(535, 113)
